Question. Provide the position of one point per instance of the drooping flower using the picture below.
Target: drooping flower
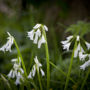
(86, 64)
(77, 50)
(31, 34)
(88, 45)
(8, 45)
(37, 26)
(78, 38)
(41, 41)
(36, 34)
(16, 72)
(36, 66)
(67, 43)
(82, 56)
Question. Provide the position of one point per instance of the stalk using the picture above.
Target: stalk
(39, 79)
(47, 59)
(23, 65)
(84, 81)
(70, 67)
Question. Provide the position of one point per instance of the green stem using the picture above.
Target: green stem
(61, 71)
(39, 79)
(47, 58)
(20, 57)
(70, 67)
(85, 79)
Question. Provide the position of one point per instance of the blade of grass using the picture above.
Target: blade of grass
(47, 59)
(70, 67)
(84, 81)
(20, 57)
(61, 71)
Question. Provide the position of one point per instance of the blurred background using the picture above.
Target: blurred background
(19, 16)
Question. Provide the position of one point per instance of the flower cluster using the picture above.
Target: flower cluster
(36, 67)
(7, 46)
(67, 43)
(16, 72)
(79, 51)
(36, 34)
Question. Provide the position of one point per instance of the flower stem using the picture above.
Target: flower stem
(20, 57)
(70, 67)
(47, 58)
(39, 79)
(85, 79)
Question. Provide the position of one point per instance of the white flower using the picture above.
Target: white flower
(17, 81)
(41, 41)
(77, 50)
(45, 28)
(67, 43)
(69, 38)
(86, 64)
(19, 78)
(31, 34)
(7, 46)
(42, 72)
(10, 74)
(82, 56)
(36, 66)
(37, 26)
(16, 71)
(88, 45)
(33, 71)
(78, 38)
(64, 42)
(37, 35)
(30, 75)
(66, 46)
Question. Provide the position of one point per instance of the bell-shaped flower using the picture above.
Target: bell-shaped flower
(36, 34)
(36, 67)
(8, 45)
(78, 38)
(41, 41)
(42, 72)
(31, 34)
(19, 78)
(16, 72)
(45, 28)
(86, 64)
(82, 56)
(37, 26)
(88, 45)
(67, 43)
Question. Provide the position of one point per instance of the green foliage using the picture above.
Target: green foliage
(81, 28)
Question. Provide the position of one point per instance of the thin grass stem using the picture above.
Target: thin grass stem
(70, 67)
(23, 65)
(39, 79)
(62, 72)
(47, 59)
(84, 81)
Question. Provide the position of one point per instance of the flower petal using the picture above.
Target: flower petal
(41, 41)
(86, 64)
